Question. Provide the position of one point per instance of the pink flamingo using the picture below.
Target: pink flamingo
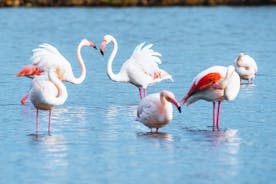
(214, 84)
(47, 91)
(47, 56)
(141, 69)
(155, 110)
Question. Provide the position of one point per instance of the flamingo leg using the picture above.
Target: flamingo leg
(218, 116)
(37, 123)
(23, 100)
(214, 115)
(157, 130)
(49, 123)
(140, 93)
(145, 92)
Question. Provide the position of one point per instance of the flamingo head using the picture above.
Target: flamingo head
(88, 43)
(169, 96)
(106, 40)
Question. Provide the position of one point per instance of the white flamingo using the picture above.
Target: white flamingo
(47, 91)
(214, 84)
(246, 67)
(155, 110)
(141, 69)
(47, 56)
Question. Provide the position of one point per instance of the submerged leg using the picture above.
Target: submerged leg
(218, 115)
(37, 124)
(140, 93)
(49, 123)
(214, 115)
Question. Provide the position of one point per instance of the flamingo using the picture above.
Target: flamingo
(155, 110)
(141, 69)
(47, 91)
(246, 67)
(214, 84)
(47, 56)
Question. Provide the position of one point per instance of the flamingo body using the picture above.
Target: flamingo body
(141, 69)
(155, 110)
(246, 67)
(214, 84)
(46, 92)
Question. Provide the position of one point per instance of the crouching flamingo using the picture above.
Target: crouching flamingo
(155, 110)
(246, 67)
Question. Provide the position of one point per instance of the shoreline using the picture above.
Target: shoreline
(132, 3)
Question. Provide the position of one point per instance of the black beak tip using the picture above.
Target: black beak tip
(95, 47)
(179, 109)
(102, 52)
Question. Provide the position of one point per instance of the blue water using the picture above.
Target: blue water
(94, 136)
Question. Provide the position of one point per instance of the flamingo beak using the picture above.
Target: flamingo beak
(179, 109)
(93, 45)
(176, 103)
(103, 45)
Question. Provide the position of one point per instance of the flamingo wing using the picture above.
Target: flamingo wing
(202, 83)
(147, 110)
(47, 56)
(148, 60)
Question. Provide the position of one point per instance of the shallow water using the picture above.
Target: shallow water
(94, 136)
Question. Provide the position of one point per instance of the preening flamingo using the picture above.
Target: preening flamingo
(47, 56)
(155, 110)
(246, 67)
(214, 84)
(141, 69)
(47, 91)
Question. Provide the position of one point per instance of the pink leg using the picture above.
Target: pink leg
(23, 100)
(157, 130)
(145, 92)
(218, 115)
(140, 93)
(49, 123)
(37, 123)
(214, 115)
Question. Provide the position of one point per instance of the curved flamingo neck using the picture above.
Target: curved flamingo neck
(115, 77)
(167, 113)
(226, 80)
(80, 79)
(62, 91)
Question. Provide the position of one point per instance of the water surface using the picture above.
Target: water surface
(94, 136)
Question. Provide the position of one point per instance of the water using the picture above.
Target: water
(94, 136)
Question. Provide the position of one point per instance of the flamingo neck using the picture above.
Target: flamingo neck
(62, 91)
(166, 108)
(227, 78)
(115, 77)
(80, 79)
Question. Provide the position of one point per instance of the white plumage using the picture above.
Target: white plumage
(246, 67)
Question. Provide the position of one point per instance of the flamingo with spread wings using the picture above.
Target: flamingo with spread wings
(214, 84)
(47, 56)
(246, 67)
(46, 92)
(141, 69)
(155, 110)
